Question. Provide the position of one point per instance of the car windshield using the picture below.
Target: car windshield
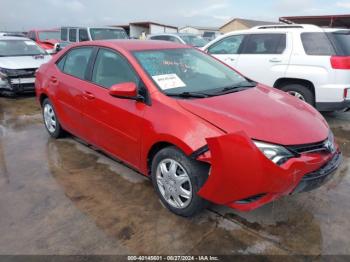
(20, 48)
(107, 33)
(47, 35)
(188, 71)
(194, 40)
(341, 41)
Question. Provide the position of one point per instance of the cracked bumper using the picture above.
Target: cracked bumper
(240, 173)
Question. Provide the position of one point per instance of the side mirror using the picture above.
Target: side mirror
(126, 90)
(57, 47)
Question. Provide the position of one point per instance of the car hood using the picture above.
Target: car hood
(22, 62)
(264, 114)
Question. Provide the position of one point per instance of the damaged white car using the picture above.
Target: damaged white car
(19, 59)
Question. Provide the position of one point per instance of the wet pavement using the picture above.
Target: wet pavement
(62, 197)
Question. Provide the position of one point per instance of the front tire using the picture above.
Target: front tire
(51, 121)
(177, 179)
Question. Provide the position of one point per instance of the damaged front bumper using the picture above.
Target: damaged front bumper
(243, 178)
(17, 81)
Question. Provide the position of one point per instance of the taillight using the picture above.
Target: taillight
(340, 62)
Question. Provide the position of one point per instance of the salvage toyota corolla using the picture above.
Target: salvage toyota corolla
(201, 131)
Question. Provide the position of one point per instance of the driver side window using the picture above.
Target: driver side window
(227, 46)
(111, 68)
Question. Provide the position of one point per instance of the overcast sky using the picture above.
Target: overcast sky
(27, 14)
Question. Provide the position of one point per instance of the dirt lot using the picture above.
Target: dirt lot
(62, 197)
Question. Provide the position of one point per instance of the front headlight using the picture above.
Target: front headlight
(4, 83)
(277, 154)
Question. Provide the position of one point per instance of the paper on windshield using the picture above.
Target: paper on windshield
(168, 81)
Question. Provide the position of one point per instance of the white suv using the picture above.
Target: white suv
(307, 61)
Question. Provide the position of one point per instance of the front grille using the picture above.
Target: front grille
(317, 178)
(308, 148)
(21, 73)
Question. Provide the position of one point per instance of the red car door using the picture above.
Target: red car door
(113, 123)
(66, 81)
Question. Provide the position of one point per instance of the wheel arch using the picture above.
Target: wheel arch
(159, 145)
(42, 97)
(281, 82)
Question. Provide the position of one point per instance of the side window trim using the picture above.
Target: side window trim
(98, 49)
(64, 57)
(249, 36)
(225, 38)
(141, 87)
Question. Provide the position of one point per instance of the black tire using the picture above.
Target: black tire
(58, 131)
(197, 173)
(301, 89)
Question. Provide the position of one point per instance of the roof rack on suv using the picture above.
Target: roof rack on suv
(279, 26)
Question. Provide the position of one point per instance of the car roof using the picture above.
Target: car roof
(175, 34)
(14, 38)
(98, 27)
(135, 45)
(45, 30)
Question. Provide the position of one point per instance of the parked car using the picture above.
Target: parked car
(306, 61)
(20, 34)
(81, 34)
(19, 59)
(200, 131)
(183, 38)
(210, 36)
(46, 38)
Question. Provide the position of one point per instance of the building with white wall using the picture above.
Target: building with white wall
(135, 29)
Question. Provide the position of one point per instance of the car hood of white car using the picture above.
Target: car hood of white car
(22, 62)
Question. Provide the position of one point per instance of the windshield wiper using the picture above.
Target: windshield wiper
(235, 88)
(189, 94)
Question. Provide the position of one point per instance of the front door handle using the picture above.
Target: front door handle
(53, 80)
(89, 96)
(275, 60)
(229, 59)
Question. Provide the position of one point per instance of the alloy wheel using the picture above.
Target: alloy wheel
(297, 95)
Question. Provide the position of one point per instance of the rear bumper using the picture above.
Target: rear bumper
(242, 178)
(333, 106)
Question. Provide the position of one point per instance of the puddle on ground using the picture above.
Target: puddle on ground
(62, 197)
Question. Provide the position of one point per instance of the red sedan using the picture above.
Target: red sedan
(201, 131)
(46, 38)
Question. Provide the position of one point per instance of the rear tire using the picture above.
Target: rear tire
(51, 121)
(300, 91)
(177, 179)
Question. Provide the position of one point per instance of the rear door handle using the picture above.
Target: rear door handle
(88, 95)
(275, 60)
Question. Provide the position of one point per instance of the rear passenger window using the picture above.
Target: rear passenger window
(317, 44)
(110, 68)
(64, 32)
(229, 45)
(72, 35)
(76, 62)
(265, 44)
